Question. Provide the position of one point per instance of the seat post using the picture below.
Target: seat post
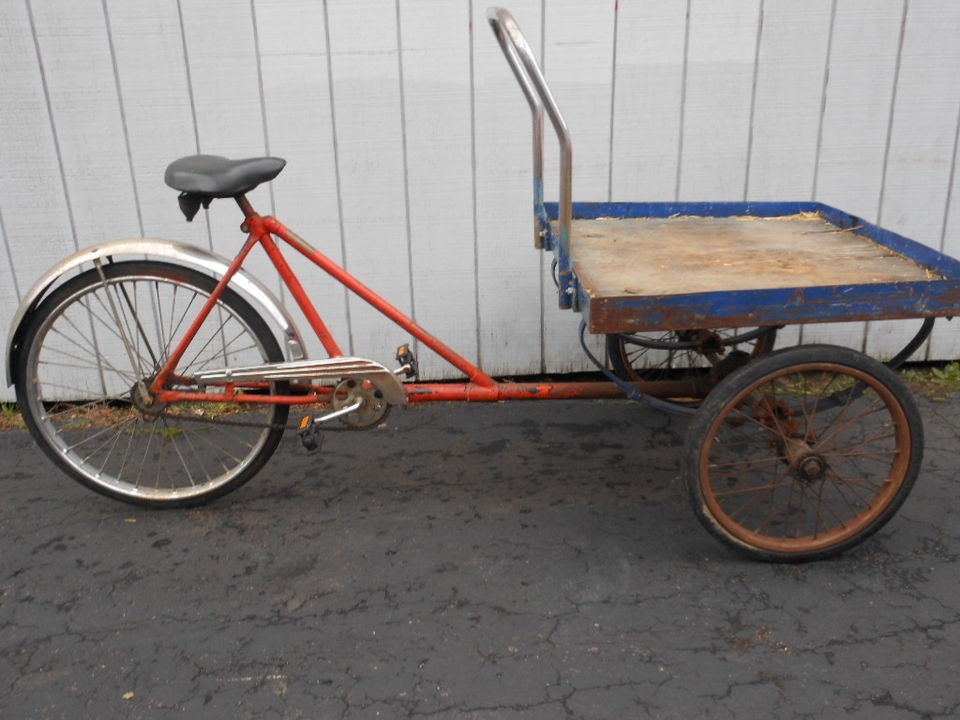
(245, 206)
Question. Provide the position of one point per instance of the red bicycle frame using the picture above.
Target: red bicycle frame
(263, 230)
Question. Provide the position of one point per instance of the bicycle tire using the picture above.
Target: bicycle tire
(89, 343)
(803, 453)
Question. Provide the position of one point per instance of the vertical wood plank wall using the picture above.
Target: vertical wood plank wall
(408, 142)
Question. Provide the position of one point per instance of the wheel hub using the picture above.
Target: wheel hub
(805, 463)
(709, 343)
(143, 401)
(812, 467)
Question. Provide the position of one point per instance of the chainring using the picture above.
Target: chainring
(371, 412)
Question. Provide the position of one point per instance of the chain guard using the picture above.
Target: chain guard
(346, 393)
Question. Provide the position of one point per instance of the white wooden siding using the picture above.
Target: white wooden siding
(509, 271)
(408, 142)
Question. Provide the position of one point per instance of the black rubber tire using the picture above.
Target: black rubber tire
(806, 425)
(85, 299)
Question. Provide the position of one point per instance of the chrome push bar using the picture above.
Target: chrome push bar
(530, 77)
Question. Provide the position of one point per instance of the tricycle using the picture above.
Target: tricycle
(161, 374)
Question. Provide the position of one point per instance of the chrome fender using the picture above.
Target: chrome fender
(216, 265)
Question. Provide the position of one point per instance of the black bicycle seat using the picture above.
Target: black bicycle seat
(212, 176)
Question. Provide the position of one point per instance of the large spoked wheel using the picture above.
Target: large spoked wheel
(803, 453)
(683, 365)
(93, 346)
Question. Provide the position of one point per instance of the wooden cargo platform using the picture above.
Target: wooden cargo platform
(667, 256)
(758, 267)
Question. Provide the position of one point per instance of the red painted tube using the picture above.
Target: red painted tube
(168, 367)
(300, 295)
(471, 392)
(476, 375)
(419, 393)
(174, 396)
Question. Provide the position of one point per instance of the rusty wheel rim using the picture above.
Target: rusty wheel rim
(806, 458)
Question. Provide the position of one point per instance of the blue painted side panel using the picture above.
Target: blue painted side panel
(699, 209)
(920, 254)
(940, 296)
(773, 307)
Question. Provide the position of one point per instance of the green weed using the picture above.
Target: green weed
(934, 383)
(10, 418)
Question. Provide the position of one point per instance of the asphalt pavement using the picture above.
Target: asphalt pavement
(525, 560)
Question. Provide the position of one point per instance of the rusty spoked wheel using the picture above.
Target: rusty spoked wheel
(803, 453)
(683, 365)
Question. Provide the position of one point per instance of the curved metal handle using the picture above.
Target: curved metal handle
(530, 77)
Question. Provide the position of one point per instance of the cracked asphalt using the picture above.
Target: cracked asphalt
(525, 560)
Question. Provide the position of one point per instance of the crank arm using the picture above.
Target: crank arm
(309, 431)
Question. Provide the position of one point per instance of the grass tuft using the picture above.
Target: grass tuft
(10, 418)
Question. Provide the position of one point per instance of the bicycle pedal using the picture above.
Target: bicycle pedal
(408, 362)
(309, 434)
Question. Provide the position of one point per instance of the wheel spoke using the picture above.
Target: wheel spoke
(111, 439)
(114, 327)
(752, 489)
(825, 443)
(135, 316)
(102, 361)
(742, 465)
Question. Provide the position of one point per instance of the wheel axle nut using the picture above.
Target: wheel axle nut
(811, 467)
